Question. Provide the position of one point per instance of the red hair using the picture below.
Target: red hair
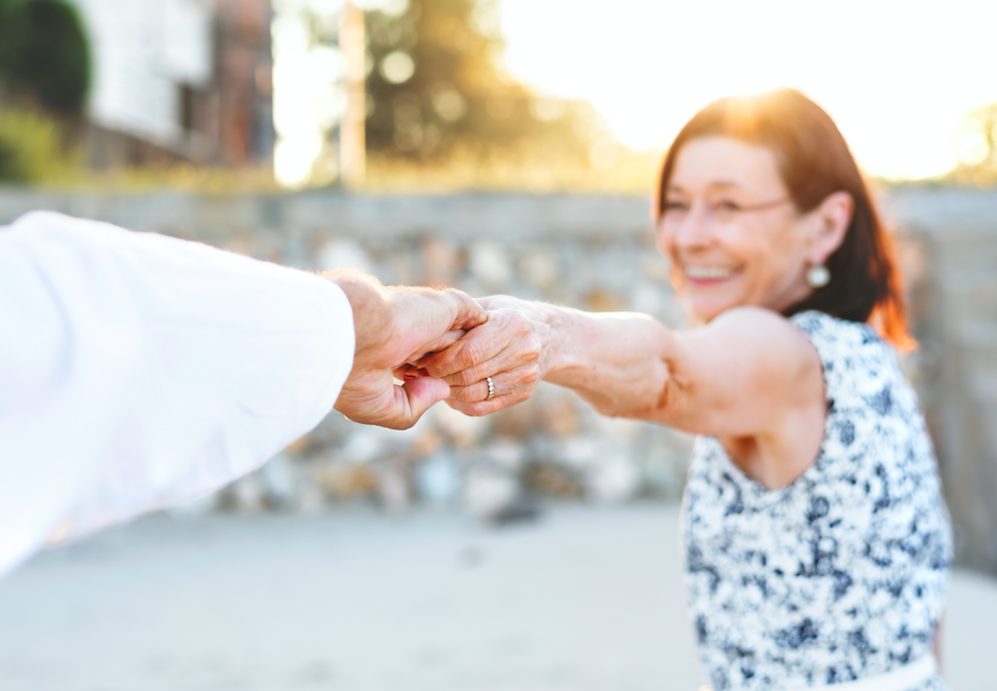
(814, 161)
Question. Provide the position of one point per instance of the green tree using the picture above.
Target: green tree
(11, 23)
(434, 88)
(44, 80)
(44, 55)
(33, 149)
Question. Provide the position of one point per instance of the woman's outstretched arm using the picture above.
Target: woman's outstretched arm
(747, 375)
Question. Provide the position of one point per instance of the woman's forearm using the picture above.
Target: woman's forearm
(617, 361)
(622, 363)
(749, 373)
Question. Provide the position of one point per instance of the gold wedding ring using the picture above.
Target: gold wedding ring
(491, 388)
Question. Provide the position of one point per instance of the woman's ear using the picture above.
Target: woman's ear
(831, 221)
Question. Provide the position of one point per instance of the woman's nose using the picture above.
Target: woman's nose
(691, 231)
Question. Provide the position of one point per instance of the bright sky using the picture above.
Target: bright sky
(897, 76)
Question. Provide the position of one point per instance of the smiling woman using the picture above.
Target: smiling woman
(816, 539)
(796, 188)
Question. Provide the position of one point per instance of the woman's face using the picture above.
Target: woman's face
(731, 230)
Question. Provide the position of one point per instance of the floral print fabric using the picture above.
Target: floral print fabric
(840, 575)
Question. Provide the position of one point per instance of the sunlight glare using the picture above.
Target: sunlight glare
(898, 77)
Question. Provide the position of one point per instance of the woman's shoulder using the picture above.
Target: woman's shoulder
(820, 325)
(833, 336)
(854, 357)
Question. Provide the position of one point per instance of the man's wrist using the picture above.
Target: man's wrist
(370, 303)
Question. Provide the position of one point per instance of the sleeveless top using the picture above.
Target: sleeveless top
(841, 574)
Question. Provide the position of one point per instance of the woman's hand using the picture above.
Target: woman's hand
(513, 348)
(394, 327)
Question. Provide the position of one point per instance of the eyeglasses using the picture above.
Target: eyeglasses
(718, 211)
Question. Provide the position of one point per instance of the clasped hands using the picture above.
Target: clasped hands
(442, 345)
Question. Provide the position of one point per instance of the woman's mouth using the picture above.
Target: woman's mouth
(707, 275)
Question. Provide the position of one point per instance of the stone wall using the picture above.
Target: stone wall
(592, 252)
(952, 255)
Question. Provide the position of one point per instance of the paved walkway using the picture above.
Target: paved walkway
(586, 599)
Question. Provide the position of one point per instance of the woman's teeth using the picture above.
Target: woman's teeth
(708, 272)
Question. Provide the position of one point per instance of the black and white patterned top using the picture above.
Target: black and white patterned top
(840, 575)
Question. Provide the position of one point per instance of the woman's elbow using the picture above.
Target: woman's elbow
(651, 404)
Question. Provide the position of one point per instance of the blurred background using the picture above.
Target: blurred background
(500, 146)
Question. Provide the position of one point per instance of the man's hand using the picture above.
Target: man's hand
(396, 327)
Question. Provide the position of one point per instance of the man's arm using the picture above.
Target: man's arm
(139, 370)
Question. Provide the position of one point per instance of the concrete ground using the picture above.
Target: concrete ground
(584, 599)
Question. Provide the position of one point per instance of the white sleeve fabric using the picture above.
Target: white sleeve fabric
(138, 370)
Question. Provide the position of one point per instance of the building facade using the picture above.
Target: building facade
(180, 80)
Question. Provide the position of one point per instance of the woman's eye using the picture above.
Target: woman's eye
(675, 206)
(728, 205)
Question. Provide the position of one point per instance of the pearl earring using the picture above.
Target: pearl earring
(818, 276)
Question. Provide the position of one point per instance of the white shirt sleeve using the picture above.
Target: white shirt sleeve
(138, 370)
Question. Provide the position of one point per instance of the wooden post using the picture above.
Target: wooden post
(352, 135)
